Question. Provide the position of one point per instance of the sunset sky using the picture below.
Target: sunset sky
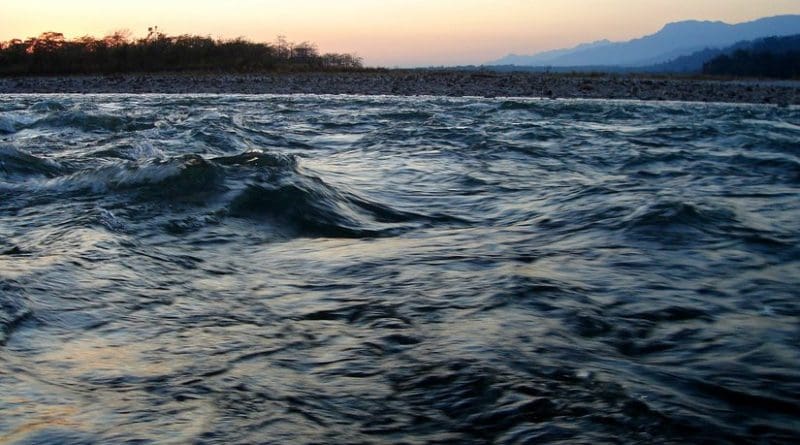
(385, 32)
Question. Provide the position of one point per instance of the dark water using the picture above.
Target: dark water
(233, 269)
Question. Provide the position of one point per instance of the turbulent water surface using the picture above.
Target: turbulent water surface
(300, 269)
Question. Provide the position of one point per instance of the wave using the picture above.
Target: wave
(308, 206)
(406, 115)
(571, 109)
(258, 159)
(135, 151)
(676, 214)
(13, 310)
(7, 125)
(780, 167)
(175, 177)
(47, 106)
(15, 164)
(671, 158)
(54, 115)
(11, 123)
(260, 186)
(90, 122)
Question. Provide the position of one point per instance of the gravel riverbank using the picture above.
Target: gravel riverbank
(410, 83)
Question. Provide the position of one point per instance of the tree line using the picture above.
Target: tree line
(777, 57)
(756, 64)
(51, 53)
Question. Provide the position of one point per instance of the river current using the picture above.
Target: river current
(347, 269)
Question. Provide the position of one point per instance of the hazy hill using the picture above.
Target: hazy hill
(672, 41)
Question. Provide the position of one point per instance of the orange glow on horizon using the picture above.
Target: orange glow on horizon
(389, 32)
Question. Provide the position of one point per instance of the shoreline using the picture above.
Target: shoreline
(422, 83)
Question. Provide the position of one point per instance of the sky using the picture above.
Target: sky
(385, 32)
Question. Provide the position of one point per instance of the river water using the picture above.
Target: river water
(346, 269)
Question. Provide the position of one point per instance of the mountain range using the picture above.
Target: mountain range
(673, 41)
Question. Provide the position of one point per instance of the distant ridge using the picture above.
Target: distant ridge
(548, 56)
(672, 41)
